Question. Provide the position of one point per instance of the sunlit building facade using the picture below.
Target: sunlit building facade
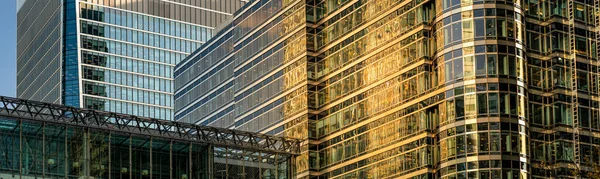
(563, 77)
(112, 55)
(402, 89)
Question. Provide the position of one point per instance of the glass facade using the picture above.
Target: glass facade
(50, 150)
(112, 55)
(34, 145)
(39, 50)
(563, 74)
(407, 88)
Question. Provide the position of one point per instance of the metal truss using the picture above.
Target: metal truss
(93, 119)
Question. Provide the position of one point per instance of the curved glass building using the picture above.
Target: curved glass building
(407, 88)
(480, 50)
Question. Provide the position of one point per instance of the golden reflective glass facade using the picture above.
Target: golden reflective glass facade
(563, 75)
(409, 88)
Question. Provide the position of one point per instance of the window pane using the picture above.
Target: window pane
(448, 66)
(491, 64)
(493, 103)
(456, 32)
(483, 142)
(458, 68)
(502, 27)
(447, 35)
(490, 25)
(482, 103)
(479, 28)
(480, 65)
(460, 106)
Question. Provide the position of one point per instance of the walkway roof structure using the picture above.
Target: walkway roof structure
(218, 137)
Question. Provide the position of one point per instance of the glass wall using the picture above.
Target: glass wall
(33, 149)
(71, 87)
(465, 88)
(39, 50)
(556, 66)
(37, 149)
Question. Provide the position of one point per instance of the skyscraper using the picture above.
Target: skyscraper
(563, 78)
(401, 89)
(113, 55)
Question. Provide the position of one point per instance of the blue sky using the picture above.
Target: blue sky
(8, 59)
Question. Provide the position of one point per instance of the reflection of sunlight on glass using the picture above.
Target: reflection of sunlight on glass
(19, 4)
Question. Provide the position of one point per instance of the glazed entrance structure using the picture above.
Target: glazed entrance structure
(40, 140)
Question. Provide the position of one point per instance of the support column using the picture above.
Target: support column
(210, 159)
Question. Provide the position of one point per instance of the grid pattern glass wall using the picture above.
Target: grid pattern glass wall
(35, 149)
(251, 75)
(563, 78)
(373, 90)
(112, 55)
(255, 62)
(401, 88)
(39, 50)
(129, 49)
